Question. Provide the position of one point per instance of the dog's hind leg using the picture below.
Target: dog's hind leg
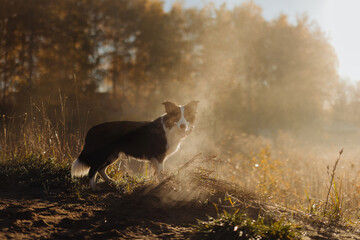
(92, 182)
(104, 176)
(111, 160)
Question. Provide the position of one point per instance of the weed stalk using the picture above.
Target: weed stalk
(332, 176)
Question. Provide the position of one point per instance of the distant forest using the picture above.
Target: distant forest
(118, 59)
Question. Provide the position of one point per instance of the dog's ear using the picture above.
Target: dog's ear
(169, 106)
(193, 105)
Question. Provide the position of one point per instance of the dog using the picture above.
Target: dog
(154, 141)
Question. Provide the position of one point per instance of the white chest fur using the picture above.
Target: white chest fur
(174, 137)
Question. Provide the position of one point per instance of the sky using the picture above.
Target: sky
(339, 19)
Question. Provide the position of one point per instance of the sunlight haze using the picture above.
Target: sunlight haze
(338, 19)
(179, 119)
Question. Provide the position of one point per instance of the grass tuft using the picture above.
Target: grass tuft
(49, 174)
(35, 172)
(240, 226)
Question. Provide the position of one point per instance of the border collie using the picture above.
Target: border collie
(153, 140)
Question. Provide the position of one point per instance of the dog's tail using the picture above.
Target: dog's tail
(79, 169)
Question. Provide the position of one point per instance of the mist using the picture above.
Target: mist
(273, 108)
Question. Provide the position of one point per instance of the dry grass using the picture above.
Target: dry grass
(35, 147)
(34, 133)
(297, 178)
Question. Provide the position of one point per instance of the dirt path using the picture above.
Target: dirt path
(92, 216)
(169, 212)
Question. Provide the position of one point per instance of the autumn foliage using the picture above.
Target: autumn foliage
(107, 58)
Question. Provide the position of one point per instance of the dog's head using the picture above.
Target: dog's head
(181, 117)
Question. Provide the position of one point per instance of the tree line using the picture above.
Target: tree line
(122, 58)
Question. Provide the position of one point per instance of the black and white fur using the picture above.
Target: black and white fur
(150, 140)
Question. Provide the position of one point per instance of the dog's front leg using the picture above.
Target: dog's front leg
(159, 168)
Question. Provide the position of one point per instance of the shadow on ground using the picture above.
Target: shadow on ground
(168, 210)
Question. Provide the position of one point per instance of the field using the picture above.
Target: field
(255, 193)
(45, 203)
(275, 149)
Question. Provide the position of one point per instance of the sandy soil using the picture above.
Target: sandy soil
(151, 211)
(103, 215)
